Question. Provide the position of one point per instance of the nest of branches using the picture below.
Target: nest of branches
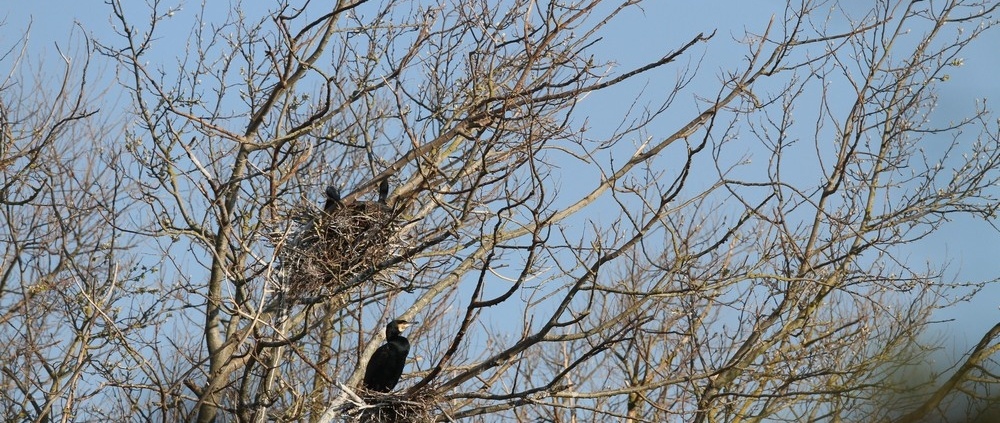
(338, 247)
(396, 408)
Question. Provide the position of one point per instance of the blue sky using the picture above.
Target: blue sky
(969, 245)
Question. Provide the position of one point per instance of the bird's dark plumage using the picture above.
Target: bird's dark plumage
(386, 366)
(383, 191)
(332, 199)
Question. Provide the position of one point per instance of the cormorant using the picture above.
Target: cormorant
(334, 202)
(383, 191)
(386, 365)
(332, 199)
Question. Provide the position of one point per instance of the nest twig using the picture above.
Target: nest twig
(379, 407)
(336, 245)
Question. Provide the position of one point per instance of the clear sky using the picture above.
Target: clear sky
(971, 246)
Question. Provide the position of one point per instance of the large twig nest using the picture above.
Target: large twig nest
(336, 245)
(396, 408)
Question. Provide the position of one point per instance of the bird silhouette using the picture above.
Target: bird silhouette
(333, 201)
(386, 366)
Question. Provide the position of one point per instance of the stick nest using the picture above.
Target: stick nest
(396, 408)
(334, 247)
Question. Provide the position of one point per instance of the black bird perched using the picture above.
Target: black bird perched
(386, 365)
(334, 202)
(332, 199)
(383, 191)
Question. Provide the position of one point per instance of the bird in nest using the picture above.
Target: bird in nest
(385, 367)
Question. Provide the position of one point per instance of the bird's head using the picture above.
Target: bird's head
(397, 326)
(332, 193)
